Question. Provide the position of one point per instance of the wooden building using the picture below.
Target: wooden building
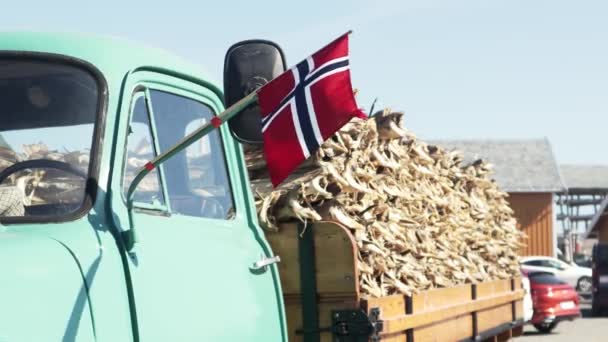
(598, 227)
(527, 170)
(581, 205)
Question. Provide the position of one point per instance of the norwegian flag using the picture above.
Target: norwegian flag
(304, 106)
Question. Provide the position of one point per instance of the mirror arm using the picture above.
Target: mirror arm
(129, 236)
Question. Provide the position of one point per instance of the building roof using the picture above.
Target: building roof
(526, 165)
(585, 177)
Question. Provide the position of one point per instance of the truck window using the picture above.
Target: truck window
(49, 110)
(197, 178)
(139, 151)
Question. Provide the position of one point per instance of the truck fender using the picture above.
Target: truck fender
(43, 294)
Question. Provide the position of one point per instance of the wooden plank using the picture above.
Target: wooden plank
(519, 305)
(490, 318)
(534, 214)
(439, 298)
(335, 255)
(455, 329)
(294, 320)
(390, 306)
(425, 318)
(491, 288)
(519, 310)
(452, 329)
(335, 270)
(285, 244)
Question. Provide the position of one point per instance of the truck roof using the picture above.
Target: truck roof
(112, 56)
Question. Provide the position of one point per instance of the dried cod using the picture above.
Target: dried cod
(421, 218)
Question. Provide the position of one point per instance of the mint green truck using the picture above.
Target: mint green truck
(80, 118)
(126, 213)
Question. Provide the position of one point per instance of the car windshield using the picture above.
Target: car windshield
(47, 116)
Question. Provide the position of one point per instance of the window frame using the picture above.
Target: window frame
(172, 88)
(91, 183)
(165, 207)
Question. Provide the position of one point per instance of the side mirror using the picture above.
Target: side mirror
(249, 65)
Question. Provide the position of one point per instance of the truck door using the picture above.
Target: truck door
(191, 271)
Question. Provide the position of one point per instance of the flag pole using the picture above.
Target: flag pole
(216, 122)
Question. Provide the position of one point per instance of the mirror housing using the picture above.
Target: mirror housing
(249, 65)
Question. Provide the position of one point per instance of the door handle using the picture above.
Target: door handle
(264, 262)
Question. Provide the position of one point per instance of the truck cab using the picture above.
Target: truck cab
(80, 117)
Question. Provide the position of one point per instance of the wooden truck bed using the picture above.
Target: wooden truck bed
(326, 305)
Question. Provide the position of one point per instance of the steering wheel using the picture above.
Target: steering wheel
(40, 164)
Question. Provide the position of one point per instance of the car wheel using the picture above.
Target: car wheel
(545, 328)
(584, 285)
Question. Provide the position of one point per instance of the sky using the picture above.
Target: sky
(502, 69)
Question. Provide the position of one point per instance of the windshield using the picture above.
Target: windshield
(47, 116)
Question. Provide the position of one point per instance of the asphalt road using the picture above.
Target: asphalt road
(586, 329)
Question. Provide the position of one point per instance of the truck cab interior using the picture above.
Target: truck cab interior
(47, 124)
(195, 181)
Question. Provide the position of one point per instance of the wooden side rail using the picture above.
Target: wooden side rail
(416, 320)
(468, 312)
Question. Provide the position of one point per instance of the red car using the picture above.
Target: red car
(553, 301)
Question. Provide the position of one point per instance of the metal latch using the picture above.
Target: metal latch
(264, 262)
(352, 326)
(356, 325)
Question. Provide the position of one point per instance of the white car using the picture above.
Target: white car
(528, 308)
(576, 276)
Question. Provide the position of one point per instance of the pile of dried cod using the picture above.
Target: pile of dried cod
(421, 218)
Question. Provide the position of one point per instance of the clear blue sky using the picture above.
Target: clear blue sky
(459, 69)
